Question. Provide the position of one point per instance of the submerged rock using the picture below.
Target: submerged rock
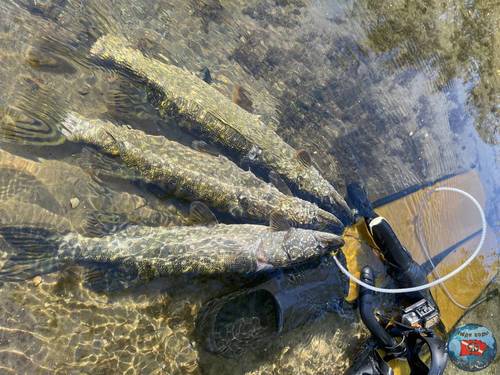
(74, 202)
(37, 280)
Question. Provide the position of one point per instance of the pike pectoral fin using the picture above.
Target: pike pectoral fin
(262, 259)
(278, 222)
(36, 253)
(304, 158)
(329, 240)
(201, 214)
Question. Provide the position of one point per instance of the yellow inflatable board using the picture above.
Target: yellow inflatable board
(446, 220)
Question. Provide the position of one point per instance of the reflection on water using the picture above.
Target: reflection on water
(454, 40)
(394, 94)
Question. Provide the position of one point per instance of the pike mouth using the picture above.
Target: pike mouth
(328, 222)
(329, 240)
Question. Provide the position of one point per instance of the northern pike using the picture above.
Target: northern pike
(195, 175)
(44, 242)
(223, 121)
(52, 184)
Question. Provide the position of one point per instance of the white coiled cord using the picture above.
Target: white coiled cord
(441, 279)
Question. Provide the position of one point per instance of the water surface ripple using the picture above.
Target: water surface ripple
(391, 93)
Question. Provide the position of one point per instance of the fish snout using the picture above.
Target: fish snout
(329, 241)
(312, 245)
(328, 222)
(342, 211)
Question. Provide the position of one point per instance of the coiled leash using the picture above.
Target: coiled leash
(442, 279)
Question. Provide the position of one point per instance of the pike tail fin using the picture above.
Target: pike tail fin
(35, 253)
(33, 118)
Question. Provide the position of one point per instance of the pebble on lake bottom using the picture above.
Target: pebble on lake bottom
(74, 202)
(37, 280)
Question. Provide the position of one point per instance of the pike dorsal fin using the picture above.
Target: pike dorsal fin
(279, 184)
(278, 223)
(304, 158)
(201, 214)
(100, 224)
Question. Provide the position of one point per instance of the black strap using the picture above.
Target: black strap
(439, 356)
(370, 363)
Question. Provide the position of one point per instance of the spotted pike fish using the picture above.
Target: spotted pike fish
(19, 214)
(224, 121)
(197, 175)
(52, 184)
(44, 243)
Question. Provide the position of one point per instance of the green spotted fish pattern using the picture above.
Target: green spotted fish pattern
(223, 121)
(44, 241)
(196, 175)
(52, 184)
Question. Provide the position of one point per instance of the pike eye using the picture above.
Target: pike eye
(244, 202)
(254, 153)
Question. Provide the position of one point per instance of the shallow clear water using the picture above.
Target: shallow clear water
(393, 94)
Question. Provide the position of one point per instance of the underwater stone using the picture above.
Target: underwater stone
(74, 202)
(37, 280)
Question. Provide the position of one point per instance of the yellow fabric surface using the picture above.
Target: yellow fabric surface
(447, 218)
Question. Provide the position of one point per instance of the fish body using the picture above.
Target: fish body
(222, 248)
(52, 184)
(46, 241)
(224, 121)
(24, 187)
(19, 214)
(195, 175)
